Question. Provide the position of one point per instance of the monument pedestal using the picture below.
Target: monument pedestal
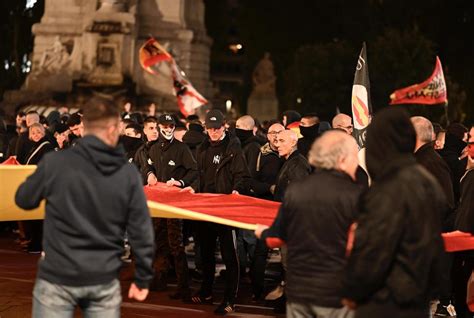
(262, 107)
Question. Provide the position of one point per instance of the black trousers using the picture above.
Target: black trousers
(208, 234)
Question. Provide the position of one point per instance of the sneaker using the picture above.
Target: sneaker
(201, 299)
(224, 308)
(444, 311)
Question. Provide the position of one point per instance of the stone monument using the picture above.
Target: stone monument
(262, 103)
(87, 46)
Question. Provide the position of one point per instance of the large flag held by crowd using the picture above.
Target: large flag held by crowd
(361, 104)
(152, 57)
(430, 92)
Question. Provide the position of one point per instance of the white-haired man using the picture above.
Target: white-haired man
(314, 220)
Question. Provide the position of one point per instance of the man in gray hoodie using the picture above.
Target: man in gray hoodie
(92, 195)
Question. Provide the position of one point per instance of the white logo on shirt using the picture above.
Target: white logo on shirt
(216, 160)
(171, 163)
(150, 162)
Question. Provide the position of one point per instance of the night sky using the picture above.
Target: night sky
(403, 38)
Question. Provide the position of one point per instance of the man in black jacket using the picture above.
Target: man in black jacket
(222, 169)
(173, 163)
(92, 195)
(295, 168)
(426, 156)
(309, 129)
(395, 265)
(314, 221)
(150, 130)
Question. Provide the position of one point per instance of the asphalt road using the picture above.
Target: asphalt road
(18, 271)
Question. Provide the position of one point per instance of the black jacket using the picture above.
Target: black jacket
(39, 149)
(295, 168)
(172, 160)
(141, 159)
(232, 172)
(432, 161)
(92, 196)
(315, 218)
(251, 149)
(266, 172)
(398, 248)
(451, 152)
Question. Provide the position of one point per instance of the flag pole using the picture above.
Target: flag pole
(446, 112)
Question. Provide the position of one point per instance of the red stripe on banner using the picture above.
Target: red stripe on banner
(240, 208)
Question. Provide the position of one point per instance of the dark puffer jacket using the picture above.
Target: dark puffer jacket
(232, 172)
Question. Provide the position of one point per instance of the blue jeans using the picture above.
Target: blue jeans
(59, 301)
(297, 310)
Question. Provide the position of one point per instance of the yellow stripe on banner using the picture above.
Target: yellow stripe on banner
(10, 179)
(12, 176)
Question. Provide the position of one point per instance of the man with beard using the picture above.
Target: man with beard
(309, 129)
(396, 263)
(222, 169)
(171, 162)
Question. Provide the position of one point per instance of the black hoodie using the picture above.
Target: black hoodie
(398, 247)
(92, 195)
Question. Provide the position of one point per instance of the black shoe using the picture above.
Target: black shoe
(280, 305)
(224, 308)
(184, 295)
(201, 299)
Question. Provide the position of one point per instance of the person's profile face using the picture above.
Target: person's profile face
(284, 145)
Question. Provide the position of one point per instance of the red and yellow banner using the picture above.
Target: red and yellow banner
(431, 92)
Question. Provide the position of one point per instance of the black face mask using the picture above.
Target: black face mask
(243, 135)
(310, 132)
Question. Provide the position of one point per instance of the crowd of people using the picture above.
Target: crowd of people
(350, 244)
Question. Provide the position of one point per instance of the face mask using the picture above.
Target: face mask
(167, 134)
(243, 134)
(309, 132)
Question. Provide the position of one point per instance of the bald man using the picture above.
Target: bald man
(313, 221)
(426, 156)
(245, 130)
(296, 166)
(344, 122)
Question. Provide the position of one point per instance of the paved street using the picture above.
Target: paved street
(18, 270)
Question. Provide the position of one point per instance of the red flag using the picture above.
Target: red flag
(188, 97)
(430, 92)
(151, 56)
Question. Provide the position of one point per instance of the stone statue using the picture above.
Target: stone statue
(54, 59)
(113, 5)
(263, 77)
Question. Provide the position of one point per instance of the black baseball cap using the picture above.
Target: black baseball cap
(214, 119)
(166, 119)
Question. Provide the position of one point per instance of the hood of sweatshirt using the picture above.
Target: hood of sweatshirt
(391, 141)
(105, 158)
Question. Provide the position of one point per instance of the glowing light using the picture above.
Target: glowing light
(228, 105)
(299, 100)
(30, 4)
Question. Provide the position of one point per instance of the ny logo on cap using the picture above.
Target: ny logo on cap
(168, 117)
(213, 118)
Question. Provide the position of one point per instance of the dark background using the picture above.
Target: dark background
(314, 46)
